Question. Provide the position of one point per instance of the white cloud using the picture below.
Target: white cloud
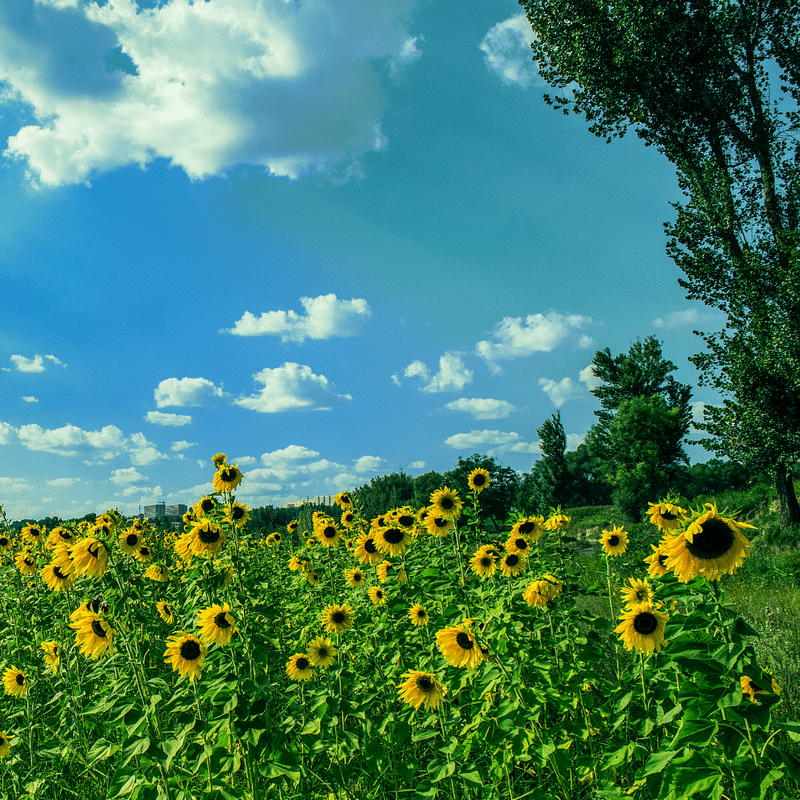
(182, 445)
(482, 407)
(291, 453)
(417, 465)
(475, 439)
(371, 464)
(69, 440)
(35, 364)
(63, 481)
(452, 376)
(7, 433)
(344, 481)
(561, 391)
(698, 411)
(244, 461)
(292, 387)
(587, 376)
(30, 399)
(174, 420)
(293, 87)
(537, 333)
(14, 485)
(128, 475)
(573, 440)
(507, 51)
(143, 452)
(326, 316)
(689, 318)
(186, 392)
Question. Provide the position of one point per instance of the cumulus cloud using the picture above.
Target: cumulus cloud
(182, 445)
(573, 440)
(35, 364)
(292, 87)
(507, 51)
(476, 439)
(516, 337)
(371, 464)
(698, 411)
(243, 461)
(174, 420)
(186, 392)
(482, 407)
(143, 452)
(689, 318)
(69, 440)
(7, 433)
(561, 391)
(326, 317)
(14, 485)
(288, 454)
(63, 481)
(125, 476)
(587, 376)
(30, 399)
(452, 376)
(292, 387)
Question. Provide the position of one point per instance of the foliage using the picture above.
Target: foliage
(385, 491)
(546, 485)
(698, 81)
(499, 498)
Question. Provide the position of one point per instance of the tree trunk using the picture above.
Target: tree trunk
(788, 508)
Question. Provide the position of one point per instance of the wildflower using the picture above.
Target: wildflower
(186, 654)
(483, 564)
(404, 517)
(667, 516)
(391, 540)
(337, 618)
(219, 459)
(529, 527)
(418, 615)
(93, 635)
(237, 514)
(90, 557)
(750, 688)
(419, 688)
(207, 539)
(327, 532)
(354, 577)
(130, 540)
(57, 577)
(52, 654)
(226, 478)
(438, 526)
(321, 652)
(343, 500)
(557, 521)
(165, 612)
(637, 594)
(511, 564)
(657, 562)
(478, 480)
(459, 646)
(15, 682)
(615, 541)
(299, 668)
(446, 503)
(377, 595)
(5, 744)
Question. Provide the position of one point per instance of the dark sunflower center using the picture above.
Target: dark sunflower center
(94, 605)
(527, 527)
(479, 479)
(424, 684)
(322, 652)
(131, 539)
(58, 573)
(369, 546)
(20, 678)
(28, 561)
(393, 535)
(406, 520)
(167, 610)
(329, 532)
(3, 541)
(662, 560)
(94, 549)
(338, 617)
(486, 561)
(714, 540)
(208, 535)
(346, 500)
(421, 613)
(669, 516)
(645, 623)
(221, 621)
(379, 594)
(98, 629)
(227, 475)
(145, 551)
(207, 505)
(238, 513)
(357, 577)
(446, 503)
(641, 594)
(464, 641)
(440, 522)
(512, 560)
(189, 650)
(301, 663)
(612, 541)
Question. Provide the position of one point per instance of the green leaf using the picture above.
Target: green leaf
(657, 761)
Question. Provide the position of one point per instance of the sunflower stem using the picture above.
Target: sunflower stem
(611, 609)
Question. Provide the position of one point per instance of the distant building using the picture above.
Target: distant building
(158, 511)
(176, 510)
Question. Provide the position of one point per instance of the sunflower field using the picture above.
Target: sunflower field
(408, 656)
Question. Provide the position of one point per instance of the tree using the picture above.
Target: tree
(425, 485)
(498, 499)
(586, 484)
(695, 79)
(384, 493)
(546, 485)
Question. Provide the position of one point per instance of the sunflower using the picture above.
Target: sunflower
(400, 575)
(366, 550)
(144, 554)
(299, 668)
(226, 478)
(530, 528)
(15, 682)
(293, 526)
(419, 688)
(557, 521)
(348, 519)
(483, 564)
(354, 577)
(52, 654)
(165, 612)
(418, 615)
(438, 526)
(750, 688)
(459, 646)
(56, 577)
(5, 744)
(517, 544)
(321, 652)
(384, 568)
(299, 563)
(642, 629)
(94, 635)
(5, 542)
(157, 573)
(511, 564)
(186, 653)
(657, 562)
(183, 546)
(343, 500)
(32, 534)
(404, 517)
(205, 505)
(615, 541)
(312, 577)
(637, 594)
(539, 593)
(667, 516)
(130, 540)
(90, 557)
(337, 618)
(711, 546)
(219, 459)
(377, 595)
(59, 535)
(237, 514)
(26, 563)
(392, 540)
(327, 532)
(207, 539)
(446, 503)
(478, 480)
(217, 625)
(89, 608)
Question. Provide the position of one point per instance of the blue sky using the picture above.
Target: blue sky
(327, 241)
